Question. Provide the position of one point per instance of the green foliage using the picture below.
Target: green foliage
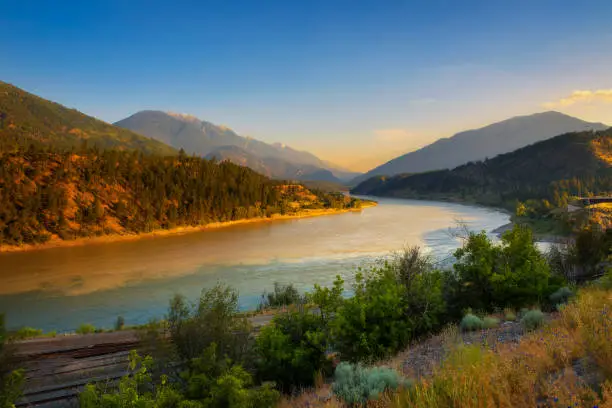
(392, 304)
(119, 323)
(210, 384)
(283, 295)
(509, 315)
(328, 300)
(532, 320)
(561, 296)
(213, 319)
(219, 383)
(292, 350)
(372, 323)
(486, 275)
(26, 333)
(138, 389)
(490, 322)
(86, 328)
(356, 385)
(471, 322)
(11, 378)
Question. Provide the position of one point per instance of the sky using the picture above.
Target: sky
(355, 82)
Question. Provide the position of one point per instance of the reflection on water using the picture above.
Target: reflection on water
(63, 287)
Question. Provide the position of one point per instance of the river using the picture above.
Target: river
(61, 288)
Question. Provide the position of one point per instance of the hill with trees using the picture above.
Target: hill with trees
(483, 143)
(549, 172)
(27, 119)
(67, 195)
(203, 138)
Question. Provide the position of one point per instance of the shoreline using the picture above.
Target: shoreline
(542, 237)
(59, 243)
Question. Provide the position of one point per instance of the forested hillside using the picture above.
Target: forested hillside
(66, 195)
(550, 171)
(486, 142)
(28, 119)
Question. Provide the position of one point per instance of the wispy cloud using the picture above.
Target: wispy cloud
(599, 95)
(391, 135)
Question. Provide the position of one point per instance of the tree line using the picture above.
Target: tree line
(88, 192)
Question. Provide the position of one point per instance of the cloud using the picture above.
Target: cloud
(600, 95)
(391, 135)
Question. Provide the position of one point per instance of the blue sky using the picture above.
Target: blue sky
(356, 82)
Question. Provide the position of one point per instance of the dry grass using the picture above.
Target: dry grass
(543, 370)
(567, 363)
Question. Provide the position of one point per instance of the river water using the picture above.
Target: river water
(61, 288)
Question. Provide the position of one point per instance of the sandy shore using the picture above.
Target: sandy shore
(57, 242)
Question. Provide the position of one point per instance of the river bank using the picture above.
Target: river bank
(57, 242)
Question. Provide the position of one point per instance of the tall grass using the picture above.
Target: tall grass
(538, 372)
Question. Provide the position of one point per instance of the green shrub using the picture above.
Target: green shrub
(213, 319)
(210, 384)
(486, 275)
(283, 295)
(373, 323)
(11, 378)
(490, 322)
(509, 315)
(561, 296)
(471, 322)
(532, 319)
(292, 349)
(120, 323)
(26, 333)
(356, 385)
(86, 328)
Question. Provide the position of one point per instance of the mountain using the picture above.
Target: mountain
(486, 142)
(578, 163)
(271, 167)
(203, 138)
(27, 119)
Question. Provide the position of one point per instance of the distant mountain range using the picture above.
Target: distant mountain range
(479, 144)
(209, 140)
(578, 163)
(27, 119)
(271, 166)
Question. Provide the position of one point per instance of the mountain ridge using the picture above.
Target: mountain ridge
(202, 138)
(481, 143)
(26, 118)
(552, 170)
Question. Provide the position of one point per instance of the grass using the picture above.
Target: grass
(537, 372)
(540, 371)
(30, 333)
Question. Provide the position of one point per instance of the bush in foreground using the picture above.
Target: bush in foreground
(532, 320)
(490, 322)
(356, 385)
(471, 322)
(561, 296)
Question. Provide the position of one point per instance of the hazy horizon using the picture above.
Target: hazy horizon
(355, 83)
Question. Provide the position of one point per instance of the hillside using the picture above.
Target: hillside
(272, 167)
(552, 170)
(28, 119)
(202, 138)
(486, 142)
(68, 195)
